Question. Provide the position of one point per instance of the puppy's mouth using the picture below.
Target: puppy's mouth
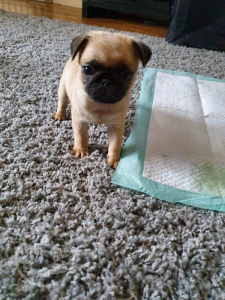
(105, 90)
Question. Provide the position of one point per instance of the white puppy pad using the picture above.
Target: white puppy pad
(176, 149)
(186, 137)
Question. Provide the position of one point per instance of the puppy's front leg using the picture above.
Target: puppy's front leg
(115, 133)
(62, 102)
(80, 128)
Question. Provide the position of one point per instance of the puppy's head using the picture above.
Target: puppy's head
(108, 63)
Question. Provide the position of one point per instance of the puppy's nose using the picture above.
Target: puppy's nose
(106, 82)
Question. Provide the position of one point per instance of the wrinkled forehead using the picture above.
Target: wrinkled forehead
(109, 51)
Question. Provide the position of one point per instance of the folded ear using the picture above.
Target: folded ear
(142, 51)
(79, 43)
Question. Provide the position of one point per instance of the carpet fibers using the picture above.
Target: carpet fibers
(66, 232)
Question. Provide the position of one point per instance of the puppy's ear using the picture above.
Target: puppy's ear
(142, 51)
(78, 44)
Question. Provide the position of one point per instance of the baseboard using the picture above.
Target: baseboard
(72, 3)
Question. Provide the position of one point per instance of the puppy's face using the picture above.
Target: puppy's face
(108, 64)
(106, 84)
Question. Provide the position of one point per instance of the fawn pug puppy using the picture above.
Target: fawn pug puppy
(98, 79)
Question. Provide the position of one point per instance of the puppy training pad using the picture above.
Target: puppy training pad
(176, 150)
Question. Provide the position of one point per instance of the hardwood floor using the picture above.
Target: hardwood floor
(71, 14)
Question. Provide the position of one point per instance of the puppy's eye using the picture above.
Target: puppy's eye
(126, 75)
(88, 70)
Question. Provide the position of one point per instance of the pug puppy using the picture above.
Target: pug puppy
(98, 79)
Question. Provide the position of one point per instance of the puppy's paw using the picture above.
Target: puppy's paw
(59, 116)
(80, 152)
(113, 161)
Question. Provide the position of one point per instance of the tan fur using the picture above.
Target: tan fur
(108, 49)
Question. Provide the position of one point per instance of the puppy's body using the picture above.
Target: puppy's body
(98, 80)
